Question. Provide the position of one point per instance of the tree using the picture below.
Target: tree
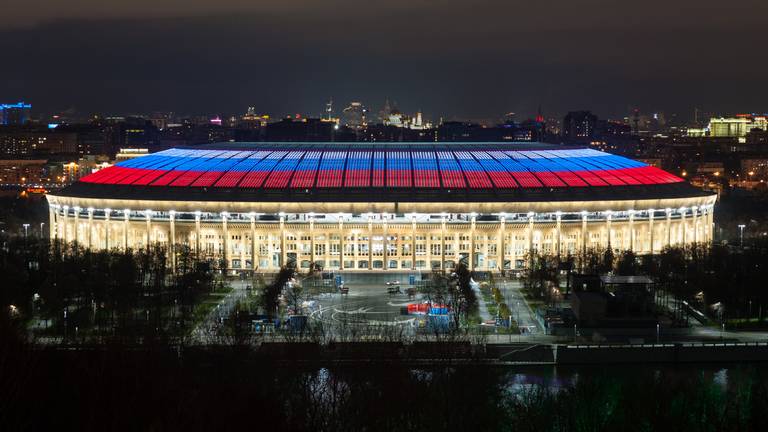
(606, 266)
(627, 264)
(541, 275)
(270, 294)
(463, 297)
(294, 296)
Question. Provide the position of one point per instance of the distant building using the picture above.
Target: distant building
(23, 171)
(130, 153)
(385, 111)
(26, 142)
(757, 137)
(738, 126)
(418, 123)
(754, 169)
(354, 116)
(579, 126)
(14, 114)
(643, 124)
(252, 120)
(289, 129)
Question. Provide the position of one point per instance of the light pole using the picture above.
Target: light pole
(741, 235)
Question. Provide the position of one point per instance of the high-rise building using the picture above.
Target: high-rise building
(14, 114)
(579, 125)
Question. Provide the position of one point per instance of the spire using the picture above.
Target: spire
(329, 109)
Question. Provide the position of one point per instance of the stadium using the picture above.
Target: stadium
(381, 207)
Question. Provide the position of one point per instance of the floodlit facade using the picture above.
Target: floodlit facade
(738, 126)
(381, 207)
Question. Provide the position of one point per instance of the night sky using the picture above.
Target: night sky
(457, 59)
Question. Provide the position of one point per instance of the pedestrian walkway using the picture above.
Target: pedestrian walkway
(482, 308)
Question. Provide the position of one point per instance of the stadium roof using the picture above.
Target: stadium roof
(381, 173)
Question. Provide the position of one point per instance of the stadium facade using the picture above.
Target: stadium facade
(378, 207)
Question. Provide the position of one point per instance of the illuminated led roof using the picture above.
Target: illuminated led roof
(418, 171)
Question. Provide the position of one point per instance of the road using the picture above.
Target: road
(521, 311)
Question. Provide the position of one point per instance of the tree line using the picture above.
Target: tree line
(67, 288)
(730, 278)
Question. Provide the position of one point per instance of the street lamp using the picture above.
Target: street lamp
(741, 235)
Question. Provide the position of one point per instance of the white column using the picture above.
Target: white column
(197, 234)
(126, 226)
(225, 231)
(90, 227)
(695, 212)
(341, 243)
(558, 230)
(669, 227)
(65, 224)
(683, 224)
(651, 214)
(442, 243)
(632, 230)
(241, 242)
(472, 243)
(457, 246)
(584, 234)
(107, 214)
(413, 242)
(311, 239)
(77, 224)
(370, 243)
(172, 239)
(530, 232)
(283, 254)
(51, 223)
(500, 255)
(148, 214)
(609, 243)
(254, 248)
(385, 229)
(513, 248)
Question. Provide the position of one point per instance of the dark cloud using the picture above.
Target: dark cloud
(450, 58)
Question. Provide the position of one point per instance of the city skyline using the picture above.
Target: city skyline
(447, 60)
(405, 215)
